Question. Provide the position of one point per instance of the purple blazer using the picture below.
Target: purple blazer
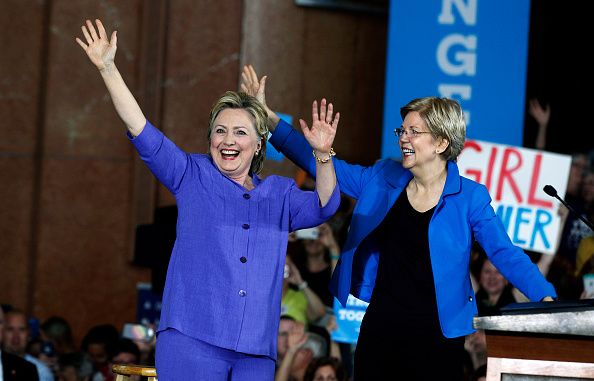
(225, 275)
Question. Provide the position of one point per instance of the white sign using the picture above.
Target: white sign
(515, 178)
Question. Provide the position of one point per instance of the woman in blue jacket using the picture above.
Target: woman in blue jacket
(409, 243)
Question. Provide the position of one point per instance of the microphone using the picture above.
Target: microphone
(551, 191)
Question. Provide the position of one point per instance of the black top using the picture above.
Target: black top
(404, 291)
(318, 283)
(16, 368)
(485, 308)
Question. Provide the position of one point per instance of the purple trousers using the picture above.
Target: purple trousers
(180, 357)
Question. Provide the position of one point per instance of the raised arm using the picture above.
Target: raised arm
(542, 117)
(315, 306)
(351, 178)
(320, 137)
(101, 51)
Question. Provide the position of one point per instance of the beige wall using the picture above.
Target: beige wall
(72, 189)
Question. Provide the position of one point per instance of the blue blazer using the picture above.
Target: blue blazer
(464, 211)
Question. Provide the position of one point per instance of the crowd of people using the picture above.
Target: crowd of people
(51, 353)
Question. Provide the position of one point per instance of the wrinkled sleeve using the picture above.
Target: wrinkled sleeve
(351, 177)
(305, 209)
(164, 159)
(508, 258)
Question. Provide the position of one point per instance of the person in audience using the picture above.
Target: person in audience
(74, 366)
(13, 367)
(562, 269)
(146, 346)
(99, 344)
(286, 325)
(315, 258)
(126, 352)
(221, 303)
(325, 369)
(57, 340)
(476, 346)
(409, 242)
(585, 257)
(56, 331)
(494, 291)
(16, 335)
(298, 299)
(302, 348)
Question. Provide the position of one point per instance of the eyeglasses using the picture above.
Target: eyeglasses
(412, 133)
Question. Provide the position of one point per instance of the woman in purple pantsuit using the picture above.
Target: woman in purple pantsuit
(221, 303)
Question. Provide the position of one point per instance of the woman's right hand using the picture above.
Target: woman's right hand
(100, 50)
(251, 85)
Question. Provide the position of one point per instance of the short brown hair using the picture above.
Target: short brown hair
(241, 100)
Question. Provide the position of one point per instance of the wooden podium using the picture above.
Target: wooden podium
(542, 341)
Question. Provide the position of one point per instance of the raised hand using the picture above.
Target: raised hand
(540, 114)
(256, 88)
(297, 336)
(100, 50)
(294, 274)
(327, 236)
(252, 86)
(323, 127)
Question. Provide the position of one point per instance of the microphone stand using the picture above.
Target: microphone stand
(580, 216)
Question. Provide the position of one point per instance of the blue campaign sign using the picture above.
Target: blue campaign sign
(148, 307)
(271, 152)
(348, 320)
(469, 50)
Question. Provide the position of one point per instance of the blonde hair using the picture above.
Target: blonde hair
(444, 119)
(241, 100)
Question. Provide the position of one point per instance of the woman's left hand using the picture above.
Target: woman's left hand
(323, 128)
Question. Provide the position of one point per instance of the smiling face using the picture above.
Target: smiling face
(421, 149)
(234, 142)
(491, 279)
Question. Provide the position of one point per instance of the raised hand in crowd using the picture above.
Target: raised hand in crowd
(542, 116)
(329, 241)
(296, 338)
(315, 306)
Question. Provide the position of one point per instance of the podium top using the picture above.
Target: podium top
(548, 307)
(561, 317)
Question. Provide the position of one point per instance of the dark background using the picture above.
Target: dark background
(560, 73)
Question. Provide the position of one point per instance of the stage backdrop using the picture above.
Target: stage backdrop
(472, 51)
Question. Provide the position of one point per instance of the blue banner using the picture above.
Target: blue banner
(469, 50)
(348, 320)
